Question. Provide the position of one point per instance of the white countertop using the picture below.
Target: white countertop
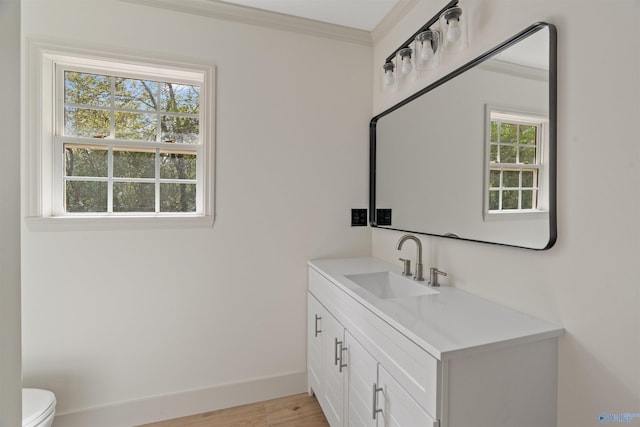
(445, 324)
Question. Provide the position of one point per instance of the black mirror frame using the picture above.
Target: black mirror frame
(552, 146)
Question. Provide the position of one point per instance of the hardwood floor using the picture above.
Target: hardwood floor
(299, 410)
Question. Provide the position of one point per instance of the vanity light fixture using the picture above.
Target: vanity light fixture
(422, 50)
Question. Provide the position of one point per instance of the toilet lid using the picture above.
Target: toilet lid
(36, 405)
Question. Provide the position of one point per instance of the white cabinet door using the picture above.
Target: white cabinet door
(314, 345)
(398, 407)
(362, 375)
(333, 387)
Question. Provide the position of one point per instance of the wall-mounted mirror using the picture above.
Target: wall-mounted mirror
(473, 155)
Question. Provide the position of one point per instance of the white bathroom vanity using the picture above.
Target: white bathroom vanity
(384, 350)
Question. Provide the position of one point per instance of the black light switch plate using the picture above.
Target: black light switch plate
(383, 216)
(358, 217)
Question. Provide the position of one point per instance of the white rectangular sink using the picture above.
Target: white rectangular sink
(388, 285)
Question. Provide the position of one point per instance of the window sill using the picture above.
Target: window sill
(91, 223)
(515, 215)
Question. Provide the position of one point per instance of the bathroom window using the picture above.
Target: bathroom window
(127, 139)
(515, 145)
(128, 145)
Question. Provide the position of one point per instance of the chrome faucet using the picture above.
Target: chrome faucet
(418, 276)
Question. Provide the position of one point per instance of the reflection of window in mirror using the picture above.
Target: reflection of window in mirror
(514, 171)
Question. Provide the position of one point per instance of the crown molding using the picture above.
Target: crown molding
(248, 15)
(395, 15)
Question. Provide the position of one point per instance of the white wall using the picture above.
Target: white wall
(10, 375)
(588, 281)
(114, 316)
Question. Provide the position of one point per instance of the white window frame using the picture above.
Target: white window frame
(524, 117)
(44, 167)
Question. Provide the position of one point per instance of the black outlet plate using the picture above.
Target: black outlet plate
(383, 216)
(358, 217)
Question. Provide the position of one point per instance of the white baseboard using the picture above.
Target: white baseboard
(177, 405)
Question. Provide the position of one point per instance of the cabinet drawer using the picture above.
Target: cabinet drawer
(399, 409)
(413, 368)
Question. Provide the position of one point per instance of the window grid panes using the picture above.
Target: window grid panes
(130, 146)
(514, 163)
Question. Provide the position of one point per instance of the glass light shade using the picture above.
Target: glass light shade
(427, 48)
(453, 23)
(388, 78)
(406, 67)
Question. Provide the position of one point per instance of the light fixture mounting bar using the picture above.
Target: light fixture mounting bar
(425, 27)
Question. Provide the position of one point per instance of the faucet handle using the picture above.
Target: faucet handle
(433, 276)
(406, 263)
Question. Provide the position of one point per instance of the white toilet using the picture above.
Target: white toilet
(38, 407)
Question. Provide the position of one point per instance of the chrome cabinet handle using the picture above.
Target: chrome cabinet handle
(317, 331)
(337, 355)
(342, 365)
(374, 405)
